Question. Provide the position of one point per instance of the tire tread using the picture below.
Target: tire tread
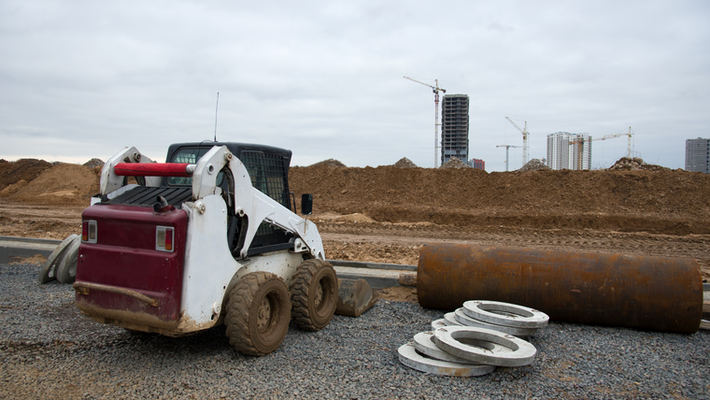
(237, 318)
(300, 284)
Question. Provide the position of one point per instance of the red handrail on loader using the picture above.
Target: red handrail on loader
(154, 169)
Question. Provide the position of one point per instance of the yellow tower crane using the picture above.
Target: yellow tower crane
(580, 147)
(525, 133)
(436, 90)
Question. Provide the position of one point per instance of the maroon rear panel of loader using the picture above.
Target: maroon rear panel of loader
(655, 293)
(122, 278)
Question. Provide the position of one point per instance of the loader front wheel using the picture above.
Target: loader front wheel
(258, 313)
(314, 292)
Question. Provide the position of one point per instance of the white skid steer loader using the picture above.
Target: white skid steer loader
(206, 238)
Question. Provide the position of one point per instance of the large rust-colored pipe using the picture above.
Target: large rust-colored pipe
(654, 293)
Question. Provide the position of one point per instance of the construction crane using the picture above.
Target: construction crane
(628, 145)
(525, 138)
(436, 90)
(507, 147)
(581, 140)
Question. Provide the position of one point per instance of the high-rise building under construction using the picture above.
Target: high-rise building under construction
(697, 155)
(454, 127)
(568, 150)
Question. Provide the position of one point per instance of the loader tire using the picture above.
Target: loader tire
(314, 293)
(258, 313)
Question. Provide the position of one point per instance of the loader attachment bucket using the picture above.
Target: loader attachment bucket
(355, 296)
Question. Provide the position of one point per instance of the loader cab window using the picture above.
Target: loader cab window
(189, 155)
(268, 174)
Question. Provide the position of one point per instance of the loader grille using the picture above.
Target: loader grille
(268, 174)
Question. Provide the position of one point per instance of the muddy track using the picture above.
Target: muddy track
(49, 222)
(20, 211)
(400, 243)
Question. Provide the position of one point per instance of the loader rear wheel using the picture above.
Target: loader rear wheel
(258, 313)
(314, 292)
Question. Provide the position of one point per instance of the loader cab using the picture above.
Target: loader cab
(268, 170)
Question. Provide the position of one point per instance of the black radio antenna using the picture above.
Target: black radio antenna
(216, 108)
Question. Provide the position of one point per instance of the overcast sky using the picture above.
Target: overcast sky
(83, 79)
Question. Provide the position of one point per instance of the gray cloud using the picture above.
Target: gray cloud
(82, 79)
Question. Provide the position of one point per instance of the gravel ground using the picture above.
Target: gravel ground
(49, 350)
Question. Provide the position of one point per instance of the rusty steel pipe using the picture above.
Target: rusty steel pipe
(644, 292)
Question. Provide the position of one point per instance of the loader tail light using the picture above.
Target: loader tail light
(164, 238)
(88, 231)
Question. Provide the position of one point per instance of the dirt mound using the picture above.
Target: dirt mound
(454, 163)
(331, 162)
(62, 184)
(635, 164)
(664, 201)
(405, 163)
(533, 165)
(93, 163)
(650, 198)
(19, 173)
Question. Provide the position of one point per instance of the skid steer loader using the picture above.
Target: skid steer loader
(209, 237)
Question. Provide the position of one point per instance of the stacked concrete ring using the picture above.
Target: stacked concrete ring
(439, 323)
(466, 320)
(452, 340)
(500, 313)
(450, 319)
(409, 357)
(66, 270)
(48, 271)
(424, 344)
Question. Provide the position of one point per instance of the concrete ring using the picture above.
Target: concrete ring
(466, 320)
(424, 344)
(499, 313)
(450, 319)
(452, 340)
(48, 272)
(439, 323)
(409, 357)
(66, 270)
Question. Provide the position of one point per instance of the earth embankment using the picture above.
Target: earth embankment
(654, 200)
(673, 202)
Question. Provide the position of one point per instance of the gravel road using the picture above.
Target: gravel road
(49, 350)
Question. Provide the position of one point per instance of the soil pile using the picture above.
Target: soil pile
(331, 162)
(651, 199)
(533, 165)
(94, 163)
(635, 164)
(405, 163)
(15, 175)
(61, 184)
(454, 163)
(663, 201)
